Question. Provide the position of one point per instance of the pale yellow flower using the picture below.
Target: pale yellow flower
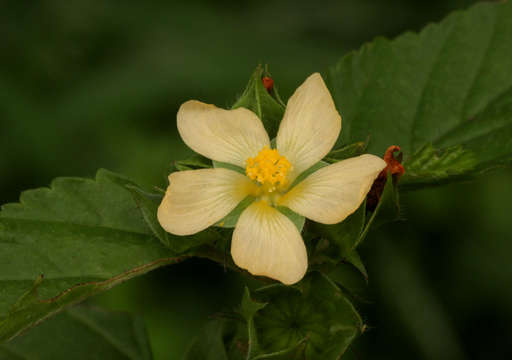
(266, 242)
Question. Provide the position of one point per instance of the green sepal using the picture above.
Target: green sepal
(311, 320)
(230, 220)
(248, 309)
(316, 315)
(286, 353)
(354, 259)
(194, 162)
(224, 165)
(297, 219)
(346, 152)
(387, 210)
(308, 172)
(266, 105)
(352, 280)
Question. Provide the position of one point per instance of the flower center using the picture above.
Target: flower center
(269, 168)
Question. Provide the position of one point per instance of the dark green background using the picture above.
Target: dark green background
(90, 84)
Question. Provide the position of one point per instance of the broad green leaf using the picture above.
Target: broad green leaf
(82, 333)
(267, 106)
(148, 204)
(449, 86)
(84, 236)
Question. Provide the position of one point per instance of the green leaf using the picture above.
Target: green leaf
(209, 344)
(351, 279)
(82, 333)
(148, 205)
(84, 236)
(319, 312)
(450, 85)
(429, 167)
(267, 106)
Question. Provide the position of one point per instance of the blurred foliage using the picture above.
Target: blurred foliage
(93, 84)
(87, 333)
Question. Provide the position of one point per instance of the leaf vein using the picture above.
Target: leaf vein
(481, 68)
(435, 64)
(104, 334)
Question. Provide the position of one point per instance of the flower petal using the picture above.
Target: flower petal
(265, 242)
(334, 192)
(310, 125)
(230, 136)
(197, 199)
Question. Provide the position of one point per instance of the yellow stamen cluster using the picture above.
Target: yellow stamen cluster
(268, 168)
